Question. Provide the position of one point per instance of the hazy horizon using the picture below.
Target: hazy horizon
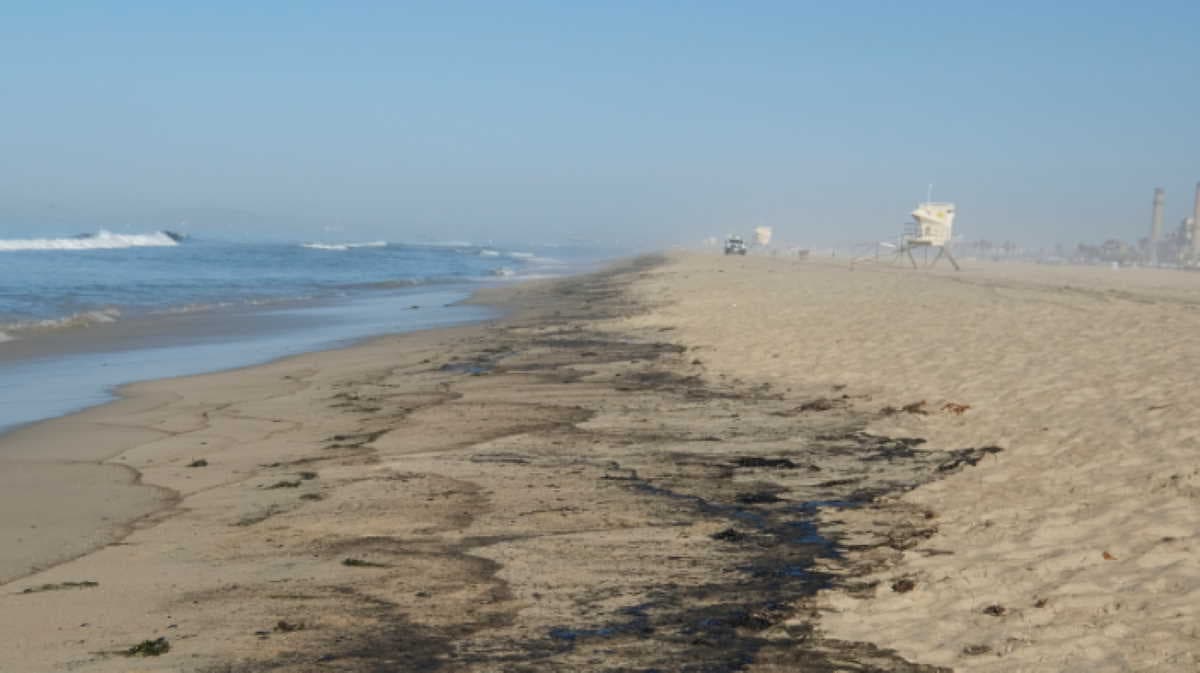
(626, 124)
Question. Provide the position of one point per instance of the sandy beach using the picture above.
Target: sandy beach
(1073, 549)
(689, 463)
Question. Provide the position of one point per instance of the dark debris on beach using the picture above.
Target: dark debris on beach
(770, 485)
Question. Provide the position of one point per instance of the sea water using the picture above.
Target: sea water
(81, 315)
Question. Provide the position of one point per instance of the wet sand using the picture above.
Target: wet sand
(627, 473)
(540, 493)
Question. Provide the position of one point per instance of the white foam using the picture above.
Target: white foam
(538, 260)
(12, 331)
(440, 244)
(344, 246)
(103, 240)
(205, 307)
(488, 253)
(193, 308)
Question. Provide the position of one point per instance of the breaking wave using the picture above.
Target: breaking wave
(401, 283)
(438, 244)
(102, 240)
(15, 330)
(343, 246)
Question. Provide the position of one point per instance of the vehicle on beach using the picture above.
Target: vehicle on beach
(734, 245)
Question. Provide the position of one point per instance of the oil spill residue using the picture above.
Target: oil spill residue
(718, 626)
(469, 368)
(638, 624)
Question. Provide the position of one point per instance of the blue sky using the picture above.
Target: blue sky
(642, 123)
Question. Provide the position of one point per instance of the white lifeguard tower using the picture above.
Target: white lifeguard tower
(762, 236)
(932, 227)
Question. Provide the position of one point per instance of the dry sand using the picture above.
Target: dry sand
(645, 469)
(1083, 531)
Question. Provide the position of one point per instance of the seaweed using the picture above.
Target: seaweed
(149, 648)
(360, 563)
(59, 586)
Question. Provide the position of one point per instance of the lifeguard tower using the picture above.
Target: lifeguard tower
(762, 236)
(931, 227)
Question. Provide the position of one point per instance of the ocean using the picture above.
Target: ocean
(81, 315)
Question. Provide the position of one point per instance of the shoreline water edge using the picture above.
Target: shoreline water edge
(82, 315)
(683, 463)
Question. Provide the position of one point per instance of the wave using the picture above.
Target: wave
(102, 240)
(15, 330)
(439, 244)
(12, 331)
(205, 307)
(343, 246)
(519, 256)
(401, 283)
(530, 259)
(505, 275)
(510, 254)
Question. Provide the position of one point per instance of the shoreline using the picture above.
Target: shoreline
(697, 461)
(146, 508)
(479, 406)
(127, 394)
(87, 365)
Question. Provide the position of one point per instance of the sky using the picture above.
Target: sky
(631, 123)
